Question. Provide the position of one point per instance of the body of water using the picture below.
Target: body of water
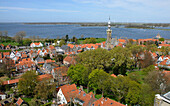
(44, 30)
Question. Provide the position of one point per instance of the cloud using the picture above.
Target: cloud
(35, 9)
(129, 4)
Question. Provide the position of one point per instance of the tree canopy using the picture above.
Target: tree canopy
(27, 83)
(95, 59)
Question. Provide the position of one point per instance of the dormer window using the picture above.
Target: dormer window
(84, 94)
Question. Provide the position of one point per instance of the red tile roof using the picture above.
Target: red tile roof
(49, 61)
(40, 78)
(113, 75)
(106, 102)
(62, 70)
(19, 102)
(45, 76)
(168, 45)
(164, 62)
(122, 40)
(70, 45)
(66, 90)
(11, 81)
(51, 47)
(6, 53)
(70, 59)
(2, 45)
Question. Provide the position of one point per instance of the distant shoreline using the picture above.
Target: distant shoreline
(117, 25)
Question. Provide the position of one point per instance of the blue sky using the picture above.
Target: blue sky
(155, 11)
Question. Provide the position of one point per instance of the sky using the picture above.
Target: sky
(148, 11)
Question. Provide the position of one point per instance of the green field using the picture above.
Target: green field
(98, 40)
(12, 43)
(27, 99)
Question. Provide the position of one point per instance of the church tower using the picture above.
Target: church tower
(109, 36)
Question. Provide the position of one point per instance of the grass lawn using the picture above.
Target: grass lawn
(12, 43)
(98, 40)
(47, 104)
(27, 99)
(5, 50)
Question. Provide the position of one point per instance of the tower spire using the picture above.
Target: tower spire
(109, 26)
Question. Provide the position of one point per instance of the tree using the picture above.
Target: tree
(27, 83)
(59, 58)
(98, 58)
(148, 69)
(135, 49)
(62, 42)
(120, 86)
(67, 38)
(158, 81)
(6, 67)
(98, 80)
(5, 35)
(161, 39)
(76, 73)
(1, 36)
(27, 41)
(152, 48)
(122, 60)
(44, 89)
(134, 91)
(147, 60)
(88, 41)
(147, 95)
(135, 76)
(19, 36)
(35, 102)
(165, 50)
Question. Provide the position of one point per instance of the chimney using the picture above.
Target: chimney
(8, 81)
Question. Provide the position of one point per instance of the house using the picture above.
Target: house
(6, 54)
(12, 55)
(2, 96)
(36, 45)
(69, 93)
(60, 74)
(142, 41)
(8, 47)
(64, 93)
(39, 60)
(25, 64)
(47, 68)
(106, 102)
(65, 48)
(70, 60)
(1, 57)
(18, 54)
(2, 46)
(82, 98)
(24, 55)
(163, 45)
(165, 64)
(162, 100)
(158, 36)
(59, 50)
